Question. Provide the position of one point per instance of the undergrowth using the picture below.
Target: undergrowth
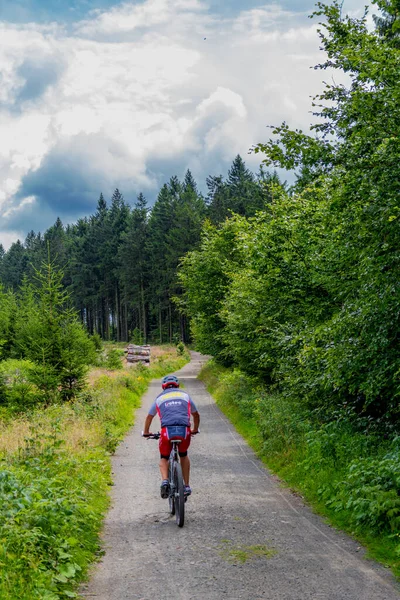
(55, 472)
(348, 473)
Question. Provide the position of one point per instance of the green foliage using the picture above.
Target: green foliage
(120, 263)
(46, 332)
(54, 490)
(97, 342)
(7, 315)
(204, 275)
(388, 24)
(18, 390)
(180, 348)
(349, 475)
(305, 294)
(113, 360)
(137, 337)
(370, 493)
(50, 511)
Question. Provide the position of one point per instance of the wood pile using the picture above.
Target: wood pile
(136, 353)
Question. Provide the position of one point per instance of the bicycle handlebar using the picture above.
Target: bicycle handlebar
(156, 436)
(152, 436)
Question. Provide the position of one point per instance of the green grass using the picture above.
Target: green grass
(348, 476)
(241, 554)
(55, 474)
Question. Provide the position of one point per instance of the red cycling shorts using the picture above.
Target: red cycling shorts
(168, 433)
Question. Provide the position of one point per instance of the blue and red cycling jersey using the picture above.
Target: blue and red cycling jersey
(174, 407)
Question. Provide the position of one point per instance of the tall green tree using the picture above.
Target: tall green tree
(8, 309)
(14, 265)
(48, 333)
(242, 193)
(135, 267)
(205, 275)
(353, 166)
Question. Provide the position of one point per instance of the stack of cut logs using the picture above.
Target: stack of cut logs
(137, 353)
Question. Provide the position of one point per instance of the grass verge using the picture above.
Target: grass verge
(55, 474)
(348, 475)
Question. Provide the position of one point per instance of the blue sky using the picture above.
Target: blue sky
(98, 95)
(44, 11)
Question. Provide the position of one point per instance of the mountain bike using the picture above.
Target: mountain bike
(176, 496)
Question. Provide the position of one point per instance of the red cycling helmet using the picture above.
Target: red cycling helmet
(169, 381)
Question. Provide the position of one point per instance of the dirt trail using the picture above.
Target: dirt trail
(237, 512)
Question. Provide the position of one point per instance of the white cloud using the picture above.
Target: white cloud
(7, 237)
(137, 91)
(225, 97)
(130, 17)
(261, 18)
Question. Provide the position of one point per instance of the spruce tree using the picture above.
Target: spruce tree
(189, 182)
(48, 333)
(134, 265)
(14, 265)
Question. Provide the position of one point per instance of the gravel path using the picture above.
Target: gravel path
(237, 512)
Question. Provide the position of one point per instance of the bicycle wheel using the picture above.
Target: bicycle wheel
(171, 497)
(179, 495)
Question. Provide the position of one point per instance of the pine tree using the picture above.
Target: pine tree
(48, 333)
(189, 182)
(160, 221)
(2, 253)
(133, 257)
(14, 265)
(217, 199)
(55, 246)
(244, 195)
(116, 223)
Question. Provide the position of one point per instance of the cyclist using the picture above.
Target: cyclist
(174, 407)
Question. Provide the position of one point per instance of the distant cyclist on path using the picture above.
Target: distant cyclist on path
(174, 407)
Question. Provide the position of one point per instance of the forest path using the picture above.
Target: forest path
(237, 511)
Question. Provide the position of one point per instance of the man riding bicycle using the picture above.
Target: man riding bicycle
(174, 407)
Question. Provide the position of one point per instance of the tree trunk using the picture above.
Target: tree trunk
(160, 321)
(126, 320)
(143, 324)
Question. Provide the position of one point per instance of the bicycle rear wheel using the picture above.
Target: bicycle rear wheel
(179, 495)
(171, 498)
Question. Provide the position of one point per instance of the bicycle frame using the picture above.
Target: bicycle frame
(176, 496)
(175, 499)
(174, 454)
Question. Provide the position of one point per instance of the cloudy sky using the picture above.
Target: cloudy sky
(99, 94)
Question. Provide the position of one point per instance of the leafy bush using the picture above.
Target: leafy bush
(19, 390)
(283, 425)
(370, 492)
(344, 466)
(97, 342)
(137, 337)
(113, 359)
(50, 511)
(180, 348)
(53, 488)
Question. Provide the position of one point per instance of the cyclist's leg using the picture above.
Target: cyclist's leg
(165, 447)
(163, 467)
(183, 453)
(185, 462)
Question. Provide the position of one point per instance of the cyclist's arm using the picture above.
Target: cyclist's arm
(147, 423)
(196, 421)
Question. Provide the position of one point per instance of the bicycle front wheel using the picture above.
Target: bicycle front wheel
(179, 495)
